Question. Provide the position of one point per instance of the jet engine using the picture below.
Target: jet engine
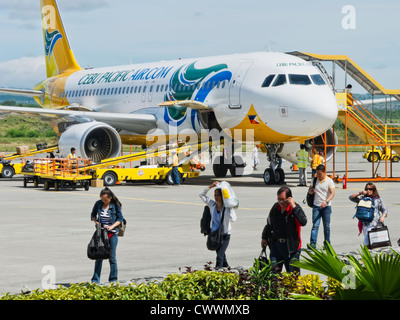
(93, 140)
(289, 150)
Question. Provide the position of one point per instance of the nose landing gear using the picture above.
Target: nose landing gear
(274, 174)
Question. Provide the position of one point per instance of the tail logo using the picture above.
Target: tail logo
(50, 41)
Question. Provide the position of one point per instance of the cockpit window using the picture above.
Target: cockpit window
(280, 80)
(268, 81)
(299, 79)
(318, 80)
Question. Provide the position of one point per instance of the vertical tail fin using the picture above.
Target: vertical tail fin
(59, 56)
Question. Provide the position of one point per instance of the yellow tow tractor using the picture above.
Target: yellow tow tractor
(8, 168)
(381, 153)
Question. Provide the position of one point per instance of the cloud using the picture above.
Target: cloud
(22, 73)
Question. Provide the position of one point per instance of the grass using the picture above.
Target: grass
(24, 131)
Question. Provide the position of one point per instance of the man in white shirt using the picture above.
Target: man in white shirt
(324, 192)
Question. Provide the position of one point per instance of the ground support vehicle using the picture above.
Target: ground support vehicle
(381, 153)
(154, 173)
(59, 173)
(8, 168)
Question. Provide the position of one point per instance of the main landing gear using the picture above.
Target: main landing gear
(274, 174)
(228, 161)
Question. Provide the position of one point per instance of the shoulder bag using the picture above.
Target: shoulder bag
(215, 238)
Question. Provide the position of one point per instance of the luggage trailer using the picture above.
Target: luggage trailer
(79, 173)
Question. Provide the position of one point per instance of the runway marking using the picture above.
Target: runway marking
(161, 201)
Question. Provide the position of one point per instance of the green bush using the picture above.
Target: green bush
(199, 285)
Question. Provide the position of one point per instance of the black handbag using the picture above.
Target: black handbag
(310, 196)
(263, 259)
(99, 246)
(378, 237)
(215, 238)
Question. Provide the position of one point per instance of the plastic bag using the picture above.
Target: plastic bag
(228, 195)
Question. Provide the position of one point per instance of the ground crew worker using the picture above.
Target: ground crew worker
(317, 160)
(175, 168)
(72, 158)
(302, 160)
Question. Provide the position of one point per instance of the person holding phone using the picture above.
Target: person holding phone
(282, 233)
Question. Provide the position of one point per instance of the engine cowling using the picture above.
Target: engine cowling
(289, 150)
(93, 140)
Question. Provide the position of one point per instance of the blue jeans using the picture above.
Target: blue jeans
(175, 175)
(221, 256)
(113, 263)
(325, 214)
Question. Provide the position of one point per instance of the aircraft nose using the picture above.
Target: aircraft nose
(307, 115)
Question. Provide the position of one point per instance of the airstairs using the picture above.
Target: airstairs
(356, 117)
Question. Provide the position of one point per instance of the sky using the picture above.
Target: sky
(118, 32)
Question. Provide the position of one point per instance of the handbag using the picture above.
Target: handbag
(215, 238)
(263, 259)
(99, 246)
(378, 237)
(121, 228)
(310, 196)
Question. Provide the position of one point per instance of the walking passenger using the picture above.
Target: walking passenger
(324, 192)
(282, 231)
(217, 210)
(107, 211)
(380, 212)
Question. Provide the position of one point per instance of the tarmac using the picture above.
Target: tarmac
(44, 234)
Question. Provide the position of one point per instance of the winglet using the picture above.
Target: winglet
(59, 56)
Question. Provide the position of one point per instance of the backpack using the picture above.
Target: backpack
(205, 221)
(365, 210)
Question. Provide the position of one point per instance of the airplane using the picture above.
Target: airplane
(282, 100)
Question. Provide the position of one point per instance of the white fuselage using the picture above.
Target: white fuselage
(297, 105)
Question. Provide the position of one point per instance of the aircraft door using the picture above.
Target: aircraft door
(145, 88)
(236, 84)
(150, 93)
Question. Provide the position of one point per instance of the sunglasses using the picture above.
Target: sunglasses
(370, 189)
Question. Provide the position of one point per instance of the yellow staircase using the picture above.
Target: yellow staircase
(365, 124)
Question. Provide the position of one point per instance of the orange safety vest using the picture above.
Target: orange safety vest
(317, 160)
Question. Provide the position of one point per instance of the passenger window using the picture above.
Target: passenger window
(267, 81)
(299, 79)
(280, 80)
(318, 80)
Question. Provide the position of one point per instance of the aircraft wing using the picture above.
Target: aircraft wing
(23, 92)
(135, 122)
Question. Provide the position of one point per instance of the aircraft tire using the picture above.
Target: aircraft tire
(237, 168)
(279, 176)
(269, 176)
(220, 169)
